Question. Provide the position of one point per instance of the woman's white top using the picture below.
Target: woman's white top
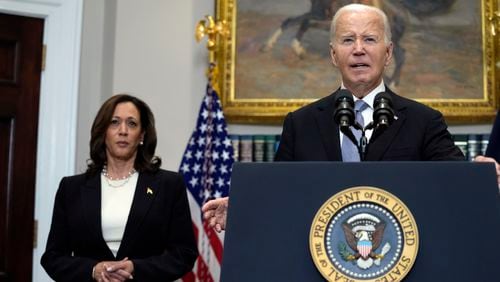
(116, 201)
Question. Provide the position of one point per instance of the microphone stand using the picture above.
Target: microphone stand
(362, 143)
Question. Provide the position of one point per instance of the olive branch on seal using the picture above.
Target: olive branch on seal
(344, 253)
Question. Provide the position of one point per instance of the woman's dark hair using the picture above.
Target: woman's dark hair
(145, 160)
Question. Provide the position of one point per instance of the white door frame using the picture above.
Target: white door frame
(57, 121)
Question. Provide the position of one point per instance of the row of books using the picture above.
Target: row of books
(472, 144)
(255, 148)
(262, 148)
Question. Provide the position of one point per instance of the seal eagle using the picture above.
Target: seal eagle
(364, 233)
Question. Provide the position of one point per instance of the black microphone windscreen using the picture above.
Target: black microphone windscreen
(344, 94)
(383, 114)
(380, 96)
(344, 108)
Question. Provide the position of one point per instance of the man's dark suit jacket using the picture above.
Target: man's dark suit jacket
(158, 236)
(418, 134)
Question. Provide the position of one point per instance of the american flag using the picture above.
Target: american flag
(206, 167)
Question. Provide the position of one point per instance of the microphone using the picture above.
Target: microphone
(344, 109)
(344, 115)
(383, 114)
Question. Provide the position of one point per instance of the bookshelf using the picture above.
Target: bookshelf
(471, 144)
(262, 147)
(254, 147)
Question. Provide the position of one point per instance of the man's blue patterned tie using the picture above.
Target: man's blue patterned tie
(350, 151)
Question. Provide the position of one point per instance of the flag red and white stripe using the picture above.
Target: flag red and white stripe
(206, 167)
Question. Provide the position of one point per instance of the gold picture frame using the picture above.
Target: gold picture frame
(266, 107)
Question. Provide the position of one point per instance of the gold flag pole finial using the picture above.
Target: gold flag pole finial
(212, 29)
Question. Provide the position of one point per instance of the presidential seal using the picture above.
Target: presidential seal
(363, 234)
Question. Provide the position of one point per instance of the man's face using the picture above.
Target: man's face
(359, 51)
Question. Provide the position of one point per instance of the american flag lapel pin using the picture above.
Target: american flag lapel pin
(149, 191)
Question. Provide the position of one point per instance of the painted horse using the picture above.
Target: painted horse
(321, 13)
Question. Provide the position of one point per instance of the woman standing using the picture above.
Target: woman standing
(124, 218)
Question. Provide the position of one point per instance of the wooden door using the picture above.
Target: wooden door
(20, 71)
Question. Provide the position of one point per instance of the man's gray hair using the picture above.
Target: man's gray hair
(361, 8)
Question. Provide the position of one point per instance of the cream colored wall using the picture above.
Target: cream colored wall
(96, 69)
(148, 49)
(156, 59)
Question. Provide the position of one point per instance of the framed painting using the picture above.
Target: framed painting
(276, 57)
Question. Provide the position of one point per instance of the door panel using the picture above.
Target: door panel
(20, 72)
